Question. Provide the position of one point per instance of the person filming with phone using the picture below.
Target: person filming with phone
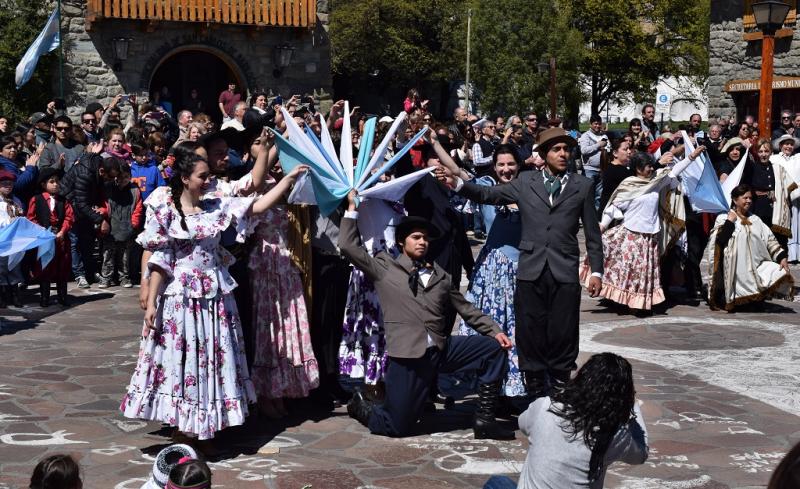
(592, 143)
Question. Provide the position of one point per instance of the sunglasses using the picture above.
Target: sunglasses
(62, 128)
(89, 121)
(786, 118)
(531, 120)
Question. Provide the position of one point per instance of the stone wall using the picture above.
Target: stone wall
(89, 75)
(733, 58)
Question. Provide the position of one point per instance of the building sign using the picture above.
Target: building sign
(663, 101)
(778, 83)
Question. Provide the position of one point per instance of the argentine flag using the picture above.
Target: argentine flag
(46, 41)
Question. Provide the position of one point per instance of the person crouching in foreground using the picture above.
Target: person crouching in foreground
(415, 296)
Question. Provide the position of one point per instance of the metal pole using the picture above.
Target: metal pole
(765, 95)
(553, 95)
(60, 55)
(466, 91)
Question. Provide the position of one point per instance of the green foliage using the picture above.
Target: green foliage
(630, 44)
(408, 41)
(509, 39)
(20, 23)
(605, 50)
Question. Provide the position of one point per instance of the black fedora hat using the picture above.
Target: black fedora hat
(409, 223)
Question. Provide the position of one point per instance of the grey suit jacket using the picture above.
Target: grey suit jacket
(549, 231)
(409, 319)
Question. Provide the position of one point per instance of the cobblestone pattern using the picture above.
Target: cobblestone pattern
(718, 391)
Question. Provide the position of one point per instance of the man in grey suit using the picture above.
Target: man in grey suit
(547, 299)
(415, 298)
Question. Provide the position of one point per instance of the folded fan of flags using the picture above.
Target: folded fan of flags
(331, 176)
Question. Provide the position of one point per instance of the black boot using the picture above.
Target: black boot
(3, 292)
(15, 300)
(44, 294)
(61, 290)
(535, 384)
(359, 408)
(485, 425)
(558, 379)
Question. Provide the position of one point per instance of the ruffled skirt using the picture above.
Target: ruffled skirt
(494, 282)
(192, 372)
(631, 274)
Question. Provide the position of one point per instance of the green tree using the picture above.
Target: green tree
(510, 38)
(630, 44)
(407, 41)
(20, 23)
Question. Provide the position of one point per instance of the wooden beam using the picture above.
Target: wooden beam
(758, 35)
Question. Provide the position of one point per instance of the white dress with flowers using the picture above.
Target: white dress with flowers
(191, 372)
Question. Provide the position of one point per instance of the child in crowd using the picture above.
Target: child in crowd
(125, 213)
(10, 209)
(51, 211)
(144, 170)
(57, 472)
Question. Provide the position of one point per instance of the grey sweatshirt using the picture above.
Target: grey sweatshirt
(556, 461)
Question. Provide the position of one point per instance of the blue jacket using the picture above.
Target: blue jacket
(147, 177)
(26, 180)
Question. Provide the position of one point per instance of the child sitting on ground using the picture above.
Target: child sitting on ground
(51, 211)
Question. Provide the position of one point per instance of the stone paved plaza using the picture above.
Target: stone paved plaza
(719, 393)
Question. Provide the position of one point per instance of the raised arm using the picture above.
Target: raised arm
(350, 243)
(507, 193)
(444, 156)
(276, 193)
(267, 156)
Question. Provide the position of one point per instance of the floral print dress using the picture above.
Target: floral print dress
(284, 363)
(362, 353)
(191, 371)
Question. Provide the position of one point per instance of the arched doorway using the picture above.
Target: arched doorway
(196, 68)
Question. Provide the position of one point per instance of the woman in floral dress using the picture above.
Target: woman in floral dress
(494, 278)
(191, 371)
(284, 365)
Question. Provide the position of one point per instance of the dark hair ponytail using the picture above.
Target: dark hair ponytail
(191, 473)
(183, 167)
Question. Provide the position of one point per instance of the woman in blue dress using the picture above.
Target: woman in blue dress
(494, 277)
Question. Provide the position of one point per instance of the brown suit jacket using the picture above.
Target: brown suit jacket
(409, 319)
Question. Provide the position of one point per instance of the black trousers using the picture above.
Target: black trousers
(696, 241)
(409, 379)
(330, 278)
(547, 314)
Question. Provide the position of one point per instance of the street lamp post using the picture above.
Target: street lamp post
(769, 16)
(551, 68)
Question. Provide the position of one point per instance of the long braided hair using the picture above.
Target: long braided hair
(183, 167)
(596, 403)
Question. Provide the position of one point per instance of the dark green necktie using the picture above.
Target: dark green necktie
(552, 184)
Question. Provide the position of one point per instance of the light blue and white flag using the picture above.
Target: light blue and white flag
(700, 183)
(23, 235)
(47, 40)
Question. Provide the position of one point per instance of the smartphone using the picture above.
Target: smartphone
(125, 98)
